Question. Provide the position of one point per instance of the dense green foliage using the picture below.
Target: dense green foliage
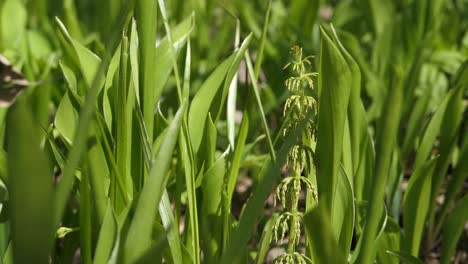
(126, 126)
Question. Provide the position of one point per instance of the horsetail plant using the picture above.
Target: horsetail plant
(300, 108)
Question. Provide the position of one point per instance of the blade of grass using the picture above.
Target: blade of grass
(259, 105)
(188, 162)
(167, 217)
(258, 63)
(146, 20)
(232, 98)
(85, 218)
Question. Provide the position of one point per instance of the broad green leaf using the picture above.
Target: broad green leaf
(334, 90)
(66, 119)
(31, 190)
(321, 241)
(212, 183)
(179, 36)
(449, 131)
(139, 233)
(206, 154)
(8, 257)
(453, 229)
(13, 23)
(432, 131)
(212, 189)
(99, 177)
(414, 124)
(200, 104)
(86, 115)
(87, 60)
(70, 77)
(220, 99)
(415, 206)
(38, 45)
(389, 240)
(108, 240)
(265, 240)
(206, 95)
(381, 14)
(343, 212)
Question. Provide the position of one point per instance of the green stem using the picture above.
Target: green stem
(293, 210)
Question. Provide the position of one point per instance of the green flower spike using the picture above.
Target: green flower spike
(292, 258)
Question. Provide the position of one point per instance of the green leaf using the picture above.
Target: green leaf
(343, 213)
(455, 185)
(146, 15)
(13, 23)
(85, 218)
(211, 217)
(260, 106)
(172, 229)
(321, 241)
(66, 119)
(31, 190)
(139, 233)
(334, 90)
(38, 45)
(179, 36)
(85, 120)
(416, 205)
(87, 60)
(389, 240)
(267, 236)
(206, 95)
(405, 257)
(385, 143)
(432, 130)
(108, 241)
(219, 100)
(453, 229)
